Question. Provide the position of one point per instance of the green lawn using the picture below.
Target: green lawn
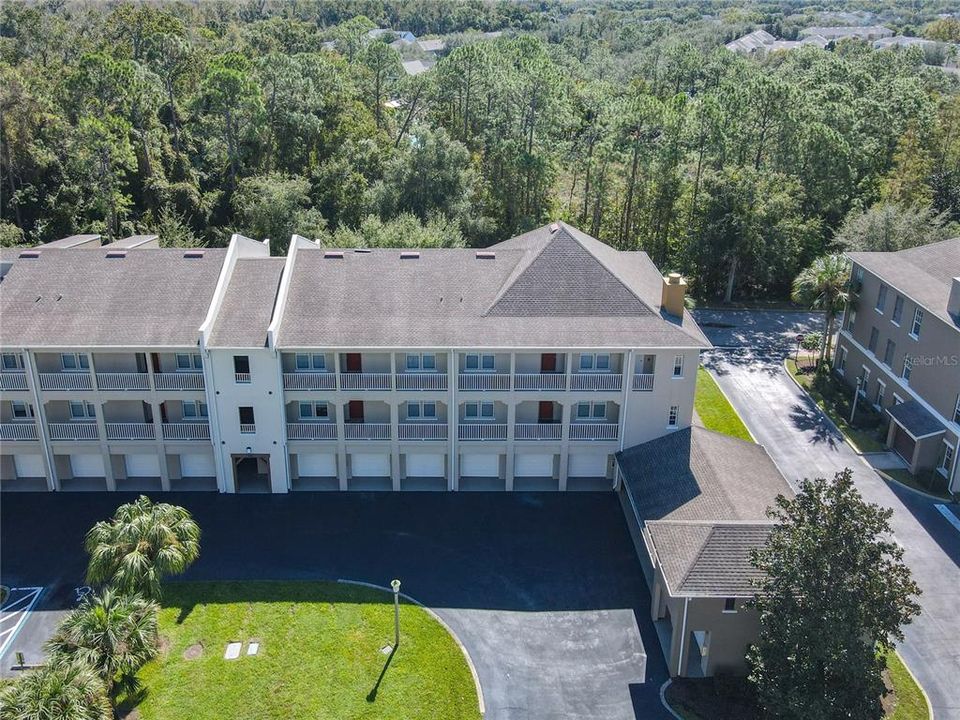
(909, 703)
(319, 656)
(715, 410)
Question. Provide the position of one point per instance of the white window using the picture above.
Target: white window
(917, 322)
(729, 605)
(595, 361)
(864, 380)
(427, 410)
(672, 417)
(897, 311)
(12, 361)
(842, 360)
(851, 320)
(480, 362)
(21, 411)
(194, 409)
(424, 361)
(81, 410)
(907, 368)
(318, 410)
(878, 399)
(187, 362)
(946, 459)
(305, 362)
(678, 366)
(592, 411)
(897, 400)
(881, 299)
(74, 362)
(482, 410)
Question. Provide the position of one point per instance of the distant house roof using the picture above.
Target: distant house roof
(916, 419)
(432, 46)
(145, 298)
(415, 67)
(756, 40)
(923, 273)
(404, 35)
(75, 241)
(703, 559)
(551, 287)
(248, 303)
(904, 41)
(838, 32)
(134, 241)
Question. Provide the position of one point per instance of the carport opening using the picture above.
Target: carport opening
(251, 473)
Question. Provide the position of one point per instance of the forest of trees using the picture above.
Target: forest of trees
(628, 120)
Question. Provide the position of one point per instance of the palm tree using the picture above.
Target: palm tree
(140, 545)
(113, 633)
(61, 690)
(823, 286)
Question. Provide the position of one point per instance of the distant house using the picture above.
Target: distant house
(751, 42)
(842, 32)
(415, 67)
(403, 36)
(437, 45)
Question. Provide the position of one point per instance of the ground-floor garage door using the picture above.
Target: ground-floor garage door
(197, 465)
(587, 465)
(370, 465)
(480, 465)
(85, 466)
(426, 465)
(533, 465)
(904, 445)
(317, 464)
(142, 465)
(29, 466)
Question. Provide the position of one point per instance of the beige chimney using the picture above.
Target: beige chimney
(674, 290)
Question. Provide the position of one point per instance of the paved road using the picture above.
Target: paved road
(545, 590)
(804, 443)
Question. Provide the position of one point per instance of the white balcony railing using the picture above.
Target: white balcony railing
(538, 431)
(482, 431)
(179, 381)
(65, 381)
(186, 431)
(13, 381)
(18, 431)
(242, 378)
(594, 431)
(367, 431)
(596, 381)
(131, 431)
(423, 431)
(312, 431)
(248, 428)
(540, 381)
(365, 381)
(123, 381)
(484, 381)
(74, 431)
(643, 382)
(310, 381)
(421, 381)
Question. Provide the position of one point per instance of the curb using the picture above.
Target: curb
(929, 496)
(923, 692)
(431, 613)
(663, 700)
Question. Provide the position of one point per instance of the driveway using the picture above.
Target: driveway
(804, 443)
(545, 590)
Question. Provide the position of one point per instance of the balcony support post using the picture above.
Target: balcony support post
(43, 430)
(566, 413)
(511, 433)
(453, 419)
(394, 442)
(340, 411)
(161, 448)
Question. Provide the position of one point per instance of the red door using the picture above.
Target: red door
(548, 362)
(353, 362)
(546, 411)
(355, 411)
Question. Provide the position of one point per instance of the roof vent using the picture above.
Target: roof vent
(30, 254)
(117, 254)
(193, 254)
(363, 251)
(553, 228)
(333, 254)
(410, 255)
(486, 255)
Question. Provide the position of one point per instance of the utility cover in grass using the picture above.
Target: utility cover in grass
(318, 656)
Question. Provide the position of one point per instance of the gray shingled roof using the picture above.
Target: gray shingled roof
(915, 419)
(91, 242)
(923, 273)
(708, 559)
(446, 298)
(80, 298)
(248, 304)
(697, 474)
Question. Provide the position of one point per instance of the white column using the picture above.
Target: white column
(43, 431)
(511, 444)
(394, 442)
(161, 448)
(102, 428)
(565, 416)
(453, 420)
(340, 410)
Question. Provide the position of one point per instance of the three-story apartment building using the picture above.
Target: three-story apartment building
(900, 344)
(526, 365)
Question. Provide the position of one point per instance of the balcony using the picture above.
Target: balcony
(538, 431)
(186, 431)
(484, 381)
(242, 378)
(309, 381)
(13, 381)
(540, 381)
(179, 381)
(421, 381)
(74, 431)
(423, 431)
(643, 382)
(365, 381)
(610, 382)
(367, 431)
(123, 381)
(131, 431)
(18, 431)
(482, 431)
(311, 431)
(248, 429)
(594, 431)
(65, 381)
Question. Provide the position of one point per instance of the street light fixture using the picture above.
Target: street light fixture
(395, 584)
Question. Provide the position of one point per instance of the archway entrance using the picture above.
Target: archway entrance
(251, 473)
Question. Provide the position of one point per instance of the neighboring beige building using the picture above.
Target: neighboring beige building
(696, 503)
(526, 365)
(900, 340)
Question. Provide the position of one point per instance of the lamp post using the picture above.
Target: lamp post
(395, 584)
(856, 396)
(796, 357)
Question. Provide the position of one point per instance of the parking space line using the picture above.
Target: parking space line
(17, 612)
(951, 518)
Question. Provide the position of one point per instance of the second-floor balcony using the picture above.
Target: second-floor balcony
(597, 381)
(74, 431)
(538, 431)
(540, 381)
(482, 431)
(483, 381)
(366, 431)
(421, 381)
(365, 381)
(312, 431)
(131, 431)
(179, 381)
(309, 381)
(123, 381)
(422, 431)
(18, 431)
(65, 381)
(594, 431)
(13, 381)
(643, 382)
(186, 431)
